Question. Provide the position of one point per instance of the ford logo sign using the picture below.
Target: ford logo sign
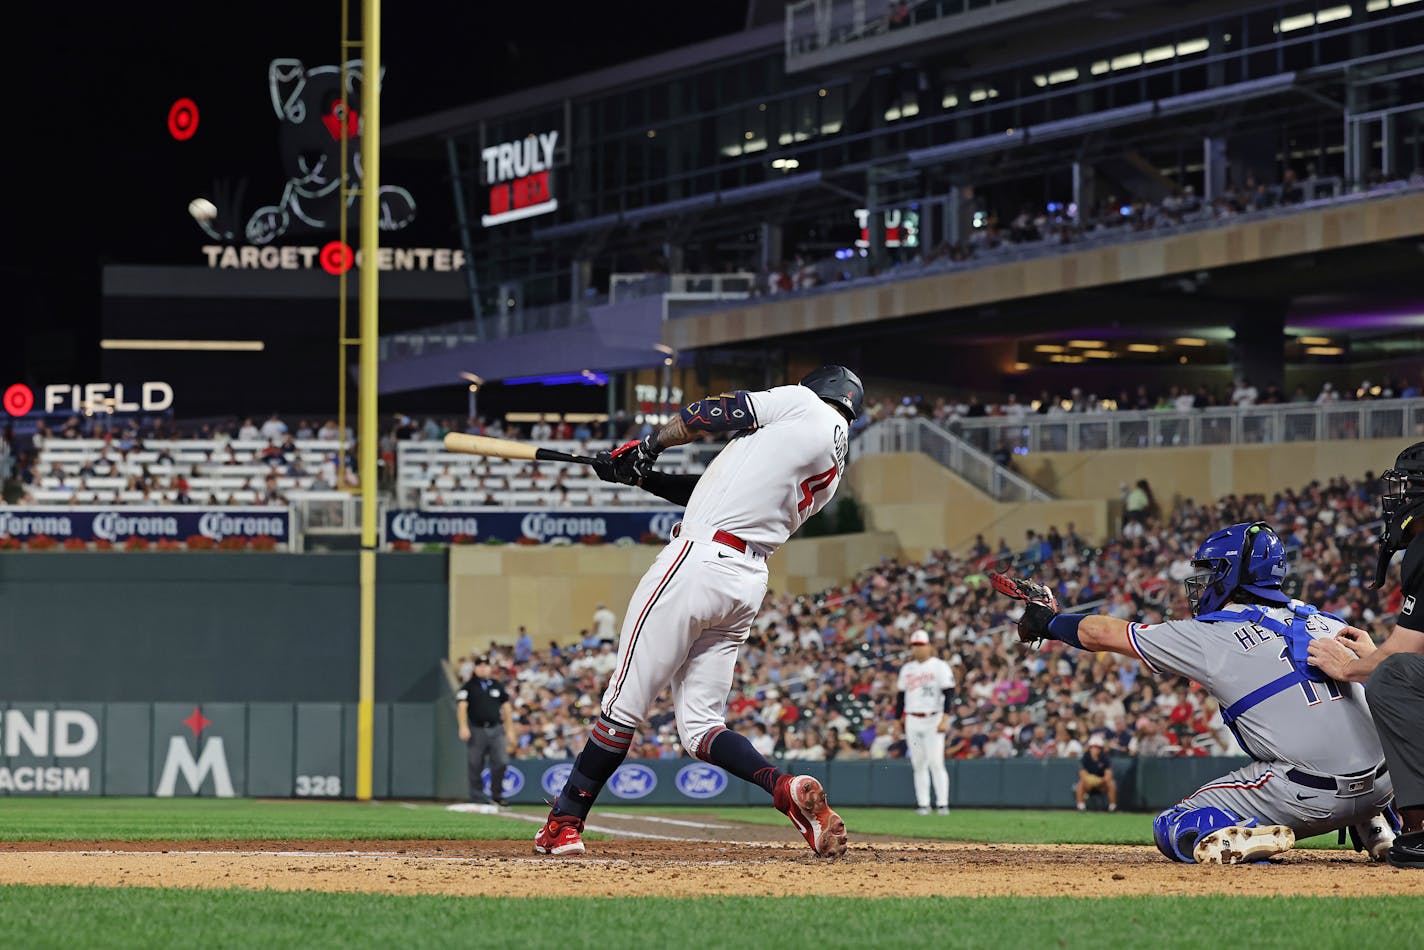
(633, 781)
(513, 782)
(555, 778)
(700, 780)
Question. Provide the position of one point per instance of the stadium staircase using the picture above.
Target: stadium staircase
(949, 450)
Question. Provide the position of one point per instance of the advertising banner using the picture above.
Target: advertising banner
(120, 522)
(540, 525)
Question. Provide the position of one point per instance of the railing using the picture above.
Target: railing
(1320, 193)
(954, 453)
(448, 336)
(1226, 425)
(683, 286)
(813, 25)
(330, 512)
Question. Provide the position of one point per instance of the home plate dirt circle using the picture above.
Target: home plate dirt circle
(685, 869)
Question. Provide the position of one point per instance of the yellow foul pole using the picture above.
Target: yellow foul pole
(370, 239)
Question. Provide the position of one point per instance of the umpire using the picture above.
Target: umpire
(1395, 669)
(487, 728)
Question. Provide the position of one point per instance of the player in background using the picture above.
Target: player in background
(1318, 763)
(1395, 669)
(926, 688)
(692, 611)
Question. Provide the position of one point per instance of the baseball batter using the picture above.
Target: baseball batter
(926, 684)
(692, 611)
(1318, 763)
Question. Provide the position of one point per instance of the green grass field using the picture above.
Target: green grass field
(32, 916)
(214, 819)
(62, 916)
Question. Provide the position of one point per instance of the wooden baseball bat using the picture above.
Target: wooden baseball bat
(507, 449)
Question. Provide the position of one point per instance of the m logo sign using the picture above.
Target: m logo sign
(210, 760)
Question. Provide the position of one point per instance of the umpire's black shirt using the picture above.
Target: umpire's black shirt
(1411, 584)
(484, 698)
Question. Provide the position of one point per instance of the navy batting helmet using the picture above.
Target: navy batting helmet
(839, 386)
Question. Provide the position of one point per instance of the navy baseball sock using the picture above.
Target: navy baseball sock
(731, 751)
(605, 750)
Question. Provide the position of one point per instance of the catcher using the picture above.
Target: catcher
(1318, 763)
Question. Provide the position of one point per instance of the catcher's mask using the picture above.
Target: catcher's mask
(1246, 556)
(1401, 501)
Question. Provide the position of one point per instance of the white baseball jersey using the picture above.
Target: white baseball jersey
(924, 683)
(767, 481)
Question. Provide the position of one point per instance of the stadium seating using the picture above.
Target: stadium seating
(429, 477)
(816, 679)
(94, 471)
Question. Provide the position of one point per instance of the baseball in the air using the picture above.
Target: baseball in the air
(202, 209)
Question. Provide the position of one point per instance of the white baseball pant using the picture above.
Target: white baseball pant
(689, 616)
(926, 745)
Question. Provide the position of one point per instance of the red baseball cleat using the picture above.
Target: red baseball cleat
(802, 799)
(561, 834)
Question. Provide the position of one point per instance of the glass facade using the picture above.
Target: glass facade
(734, 164)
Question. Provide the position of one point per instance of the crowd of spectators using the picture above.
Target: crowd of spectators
(1062, 223)
(155, 459)
(1241, 394)
(816, 679)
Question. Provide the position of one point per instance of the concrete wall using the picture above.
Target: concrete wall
(1206, 472)
(927, 506)
(553, 591)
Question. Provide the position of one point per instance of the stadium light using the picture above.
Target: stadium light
(225, 346)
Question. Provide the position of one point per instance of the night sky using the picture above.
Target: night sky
(93, 176)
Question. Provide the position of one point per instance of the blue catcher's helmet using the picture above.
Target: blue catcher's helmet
(1245, 557)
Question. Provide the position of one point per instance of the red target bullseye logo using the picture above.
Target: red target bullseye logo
(183, 119)
(337, 258)
(18, 399)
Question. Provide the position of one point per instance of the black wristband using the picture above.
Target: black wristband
(1035, 620)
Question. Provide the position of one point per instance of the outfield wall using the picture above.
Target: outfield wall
(308, 750)
(254, 750)
(215, 626)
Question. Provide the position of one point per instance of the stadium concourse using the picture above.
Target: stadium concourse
(1058, 225)
(816, 679)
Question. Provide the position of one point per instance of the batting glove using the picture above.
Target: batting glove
(604, 467)
(633, 461)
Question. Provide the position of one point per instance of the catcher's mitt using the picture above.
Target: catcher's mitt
(1040, 606)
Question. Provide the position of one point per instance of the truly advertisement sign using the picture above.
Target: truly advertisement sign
(177, 523)
(519, 175)
(501, 524)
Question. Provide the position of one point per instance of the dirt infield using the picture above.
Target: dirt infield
(687, 869)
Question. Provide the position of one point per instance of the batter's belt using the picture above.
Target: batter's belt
(1344, 786)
